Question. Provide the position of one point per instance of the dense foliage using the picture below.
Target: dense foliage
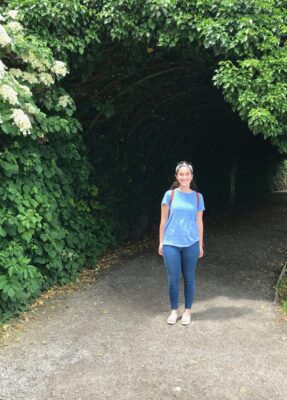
(46, 231)
(247, 40)
(147, 77)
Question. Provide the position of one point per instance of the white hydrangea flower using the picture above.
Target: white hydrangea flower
(29, 77)
(46, 78)
(2, 69)
(13, 14)
(31, 109)
(14, 26)
(64, 101)
(9, 94)
(4, 37)
(22, 121)
(26, 90)
(32, 59)
(59, 68)
(2, 18)
(15, 72)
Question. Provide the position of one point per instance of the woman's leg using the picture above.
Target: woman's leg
(172, 260)
(189, 260)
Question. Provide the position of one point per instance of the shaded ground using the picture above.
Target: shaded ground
(110, 340)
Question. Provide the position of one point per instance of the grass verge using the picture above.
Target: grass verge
(282, 292)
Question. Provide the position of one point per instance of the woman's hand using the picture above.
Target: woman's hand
(201, 252)
(160, 250)
(200, 229)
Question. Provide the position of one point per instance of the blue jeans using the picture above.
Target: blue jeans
(181, 259)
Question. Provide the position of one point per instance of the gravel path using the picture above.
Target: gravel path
(111, 341)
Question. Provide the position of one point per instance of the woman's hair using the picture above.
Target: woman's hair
(180, 164)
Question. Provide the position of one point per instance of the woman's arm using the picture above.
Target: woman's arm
(163, 219)
(200, 229)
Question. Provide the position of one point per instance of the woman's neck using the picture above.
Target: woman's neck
(184, 189)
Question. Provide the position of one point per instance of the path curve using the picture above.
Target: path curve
(111, 341)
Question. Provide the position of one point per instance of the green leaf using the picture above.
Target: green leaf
(3, 232)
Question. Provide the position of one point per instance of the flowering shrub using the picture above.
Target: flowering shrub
(4, 37)
(22, 121)
(8, 94)
(47, 232)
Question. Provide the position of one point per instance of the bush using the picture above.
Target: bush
(282, 292)
(51, 221)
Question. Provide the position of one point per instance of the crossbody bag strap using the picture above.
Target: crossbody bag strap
(197, 199)
(171, 198)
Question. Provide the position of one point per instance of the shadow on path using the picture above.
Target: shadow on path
(214, 313)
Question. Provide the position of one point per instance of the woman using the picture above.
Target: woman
(181, 238)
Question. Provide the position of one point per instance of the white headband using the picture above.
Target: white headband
(183, 164)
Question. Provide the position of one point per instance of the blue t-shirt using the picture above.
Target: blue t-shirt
(181, 228)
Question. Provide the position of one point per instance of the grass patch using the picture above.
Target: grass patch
(284, 306)
(282, 293)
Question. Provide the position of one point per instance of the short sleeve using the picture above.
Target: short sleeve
(201, 206)
(166, 198)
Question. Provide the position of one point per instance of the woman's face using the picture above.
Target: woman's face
(184, 176)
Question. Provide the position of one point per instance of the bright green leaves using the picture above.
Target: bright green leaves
(29, 75)
(19, 280)
(68, 26)
(257, 90)
(249, 25)
(8, 164)
(51, 215)
(249, 35)
(261, 120)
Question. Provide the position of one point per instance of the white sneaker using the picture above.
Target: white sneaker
(172, 318)
(186, 319)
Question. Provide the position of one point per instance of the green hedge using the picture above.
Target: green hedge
(51, 222)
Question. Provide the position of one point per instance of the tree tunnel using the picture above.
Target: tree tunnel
(140, 121)
(87, 155)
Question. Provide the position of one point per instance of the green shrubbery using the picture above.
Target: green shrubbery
(282, 293)
(19, 280)
(51, 221)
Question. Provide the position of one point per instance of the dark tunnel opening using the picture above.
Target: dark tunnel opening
(138, 124)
